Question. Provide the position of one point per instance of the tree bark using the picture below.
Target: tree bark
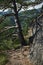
(20, 34)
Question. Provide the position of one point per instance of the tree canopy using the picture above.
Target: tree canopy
(8, 3)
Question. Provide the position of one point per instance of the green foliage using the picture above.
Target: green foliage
(3, 59)
(9, 44)
(6, 39)
(6, 44)
(5, 1)
(16, 43)
(19, 1)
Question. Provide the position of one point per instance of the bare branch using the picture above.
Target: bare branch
(20, 8)
(41, 15)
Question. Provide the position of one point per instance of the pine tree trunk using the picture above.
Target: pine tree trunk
(20, 34)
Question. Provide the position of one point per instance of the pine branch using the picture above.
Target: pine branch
(7, 28)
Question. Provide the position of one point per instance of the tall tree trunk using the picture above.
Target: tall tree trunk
(20, 34)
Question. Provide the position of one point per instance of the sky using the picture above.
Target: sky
(31, 7)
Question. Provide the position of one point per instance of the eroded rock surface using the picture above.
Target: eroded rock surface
(36, 50)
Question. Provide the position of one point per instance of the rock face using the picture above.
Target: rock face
(36, 54)
(36, 50)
